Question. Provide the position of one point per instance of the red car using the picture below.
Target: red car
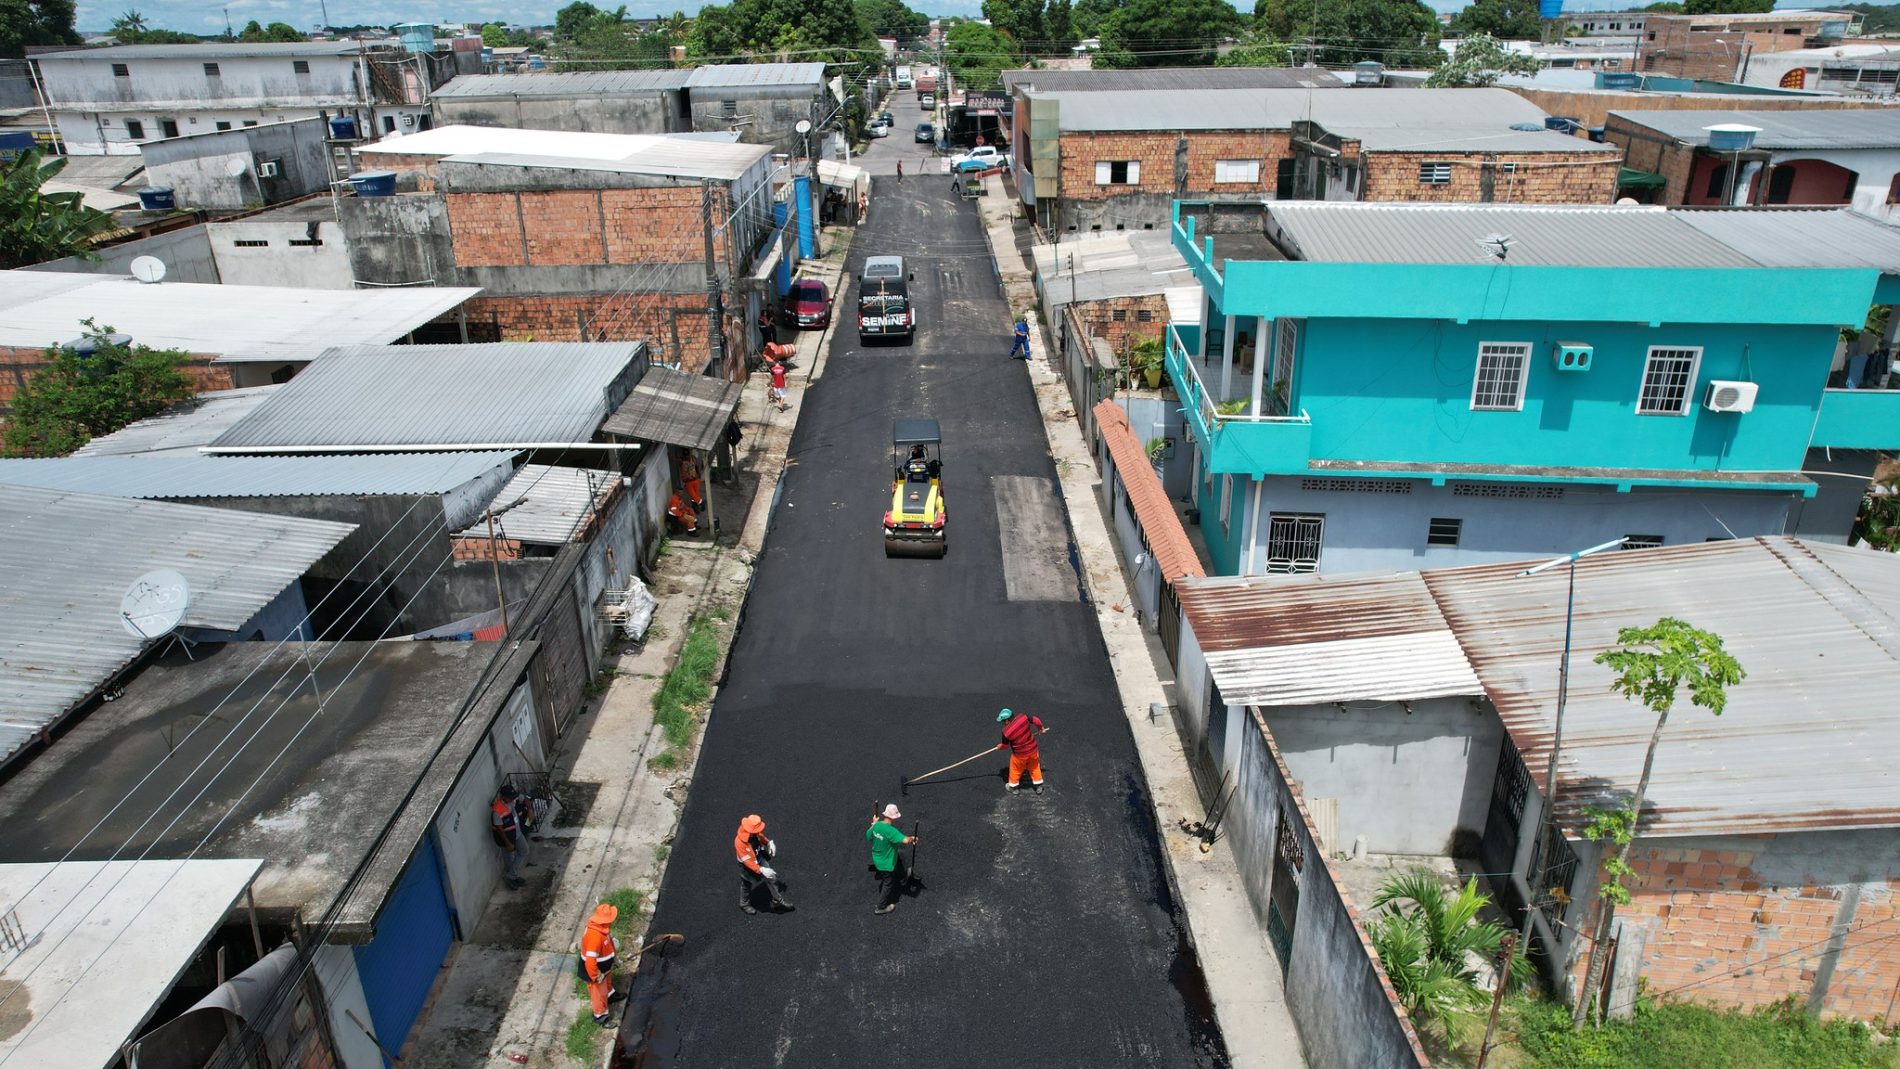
(807, 305)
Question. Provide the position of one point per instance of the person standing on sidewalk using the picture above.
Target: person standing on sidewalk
(505, 824)
(777, 391)
(1020, 350)
(597, 962)
(892, 874)
(1019, 734)
(756, 853)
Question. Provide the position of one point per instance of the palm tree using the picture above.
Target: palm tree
(1431, 949)
(677, 24)
(129, 25)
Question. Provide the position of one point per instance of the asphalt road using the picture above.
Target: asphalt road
(1044, 932)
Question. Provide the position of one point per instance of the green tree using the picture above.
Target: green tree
(977, 55)
(1665, 7)
(814, 30)
(1479, 60)
(495, 35)
(1255, 50)
(1166, 33)
(679, 23)
(1653, 665)
(1508, 19)
(74, 398)
(36, 226)
(1398, 33)
(573, 18)
(890, 18)
(129, 24)
(35, 22)
(1090, 15)
(131, 28)
(1426, 948)
(1878, 522)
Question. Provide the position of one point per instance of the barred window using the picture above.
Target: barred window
(1434, 174)
(120, 70)
(1293, 541)
(1642, 541)
(1443, 531)
(211, 70)
(1499, 382)
(300, 66)
(1668, 378)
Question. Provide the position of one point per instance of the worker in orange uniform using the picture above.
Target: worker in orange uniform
(690, 483)
(504, 823)
(597, 962)
(1019, 734)
(756, 853)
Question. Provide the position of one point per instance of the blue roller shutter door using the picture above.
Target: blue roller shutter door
(413, 935)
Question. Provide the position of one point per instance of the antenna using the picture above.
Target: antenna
(153, 605)
(147, 269)
(1498, 245)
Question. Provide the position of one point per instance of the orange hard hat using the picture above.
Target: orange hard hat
(605, 913)
(753, 824)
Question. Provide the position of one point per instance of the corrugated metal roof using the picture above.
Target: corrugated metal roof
(558, 84)
(674, 407)
(181, 428)
(1113, 264)
(1804, 128)
(546, 505)
(495, 395)
(1542, 235)
(1807, 740)
(1173, 553)
(458, 139)
(1777, 237)
(60, 633)
(1302, 640)
(1247, 110)
(672, 156)
(200, 476)
(1445, 120)
(1055, 81)
(208, 319)
(210, 50)
(721, 75)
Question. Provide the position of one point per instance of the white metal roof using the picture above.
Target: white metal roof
(1542, 235)
(501, 395)
(1803, 128)
(732, 75)
(559, 84)
(1777, 237)
(211, 50)
(109, 939)
(195, 475)
(674, 156)
(181, 428)
(73, 556)
(459, 140)
(546, 505)
(1111, 264)
(208, 319)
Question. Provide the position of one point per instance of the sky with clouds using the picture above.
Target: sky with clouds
(207, 16)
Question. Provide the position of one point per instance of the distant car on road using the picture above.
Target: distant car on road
(926, 133)
(928, 100)
(980, 158)
(807, 305)
(886, 118)
(880, 129)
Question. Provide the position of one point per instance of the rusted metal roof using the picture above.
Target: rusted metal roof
(1807, 740)
(1167, 539)
(1311, 639)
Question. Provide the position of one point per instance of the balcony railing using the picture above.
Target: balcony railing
(1260, 445)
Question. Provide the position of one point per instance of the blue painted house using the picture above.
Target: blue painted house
(1388, 386)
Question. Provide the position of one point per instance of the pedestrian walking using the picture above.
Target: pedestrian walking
(777, 391)
(956, 182)
(756, 854)
(504, 821)
(892, 874)
(1019, 734)
(900, 170)
(1020, 349)
(598, 960)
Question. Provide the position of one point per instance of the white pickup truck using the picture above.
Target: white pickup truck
(980, 158)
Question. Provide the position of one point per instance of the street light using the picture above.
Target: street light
(1563, 691)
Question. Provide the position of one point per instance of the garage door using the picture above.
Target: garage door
(412, 937)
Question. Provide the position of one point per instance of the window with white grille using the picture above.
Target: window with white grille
(1668, 380)
(1236, 171)
(1117, 172)
(1499, 383)
(1434, 174)
(1642, 541)
(1293, 540)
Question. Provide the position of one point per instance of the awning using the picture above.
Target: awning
(690, 411)
(849, 175)
(1631, 178)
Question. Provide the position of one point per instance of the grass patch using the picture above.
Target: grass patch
(583, 1037)
(1675, 1035)
(599, 684)
(660, 851)
(689, 683)
(664, 761)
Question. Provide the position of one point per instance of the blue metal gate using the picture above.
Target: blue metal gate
(413, 935)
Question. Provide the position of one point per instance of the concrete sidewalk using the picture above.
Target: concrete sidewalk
(507, 995)
(1243, 975)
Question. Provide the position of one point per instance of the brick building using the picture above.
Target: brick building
(1590, 105)
(1117, 159)
(575, 236)
(1718, 47)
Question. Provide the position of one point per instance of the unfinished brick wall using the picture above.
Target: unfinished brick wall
(1156, 152)
(1531, 178)
(1099, 319)
(19, 362)
(1592, 107)
(611, 226)
(414, 174)
(674, 324)
(1719, 931)
(1646, 150)
(1673, 45)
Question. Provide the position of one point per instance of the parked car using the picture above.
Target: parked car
(886, 118)
(884, 310)
(926, 133)
(807, 305)
(980, 158)
(928, 100)
(880, 129)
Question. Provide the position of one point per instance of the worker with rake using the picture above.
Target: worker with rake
(1019, 734)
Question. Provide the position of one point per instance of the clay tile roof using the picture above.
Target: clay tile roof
(1167, 539)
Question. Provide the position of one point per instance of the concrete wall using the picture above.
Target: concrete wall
(471, 862)
(1409, 778)
(658, 113)
(399, 241)
(240, 81)
(1144, 578)
(186, 253)
(306, 255)
(335, 967)
(762, 115)
(199, 167)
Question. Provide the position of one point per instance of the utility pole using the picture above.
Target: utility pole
(715, 312)
(1506, 957)
(494, 558)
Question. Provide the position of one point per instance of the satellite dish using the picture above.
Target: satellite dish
(804, 126)
(148, 268)
(235, 166)
(154, 603)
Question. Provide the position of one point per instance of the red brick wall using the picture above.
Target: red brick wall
(1592, 107)
(1539, 177)
(1156, 152)
(1099, 319)
(413, 173)
(674, 324)
(17, 364)
(638, 226)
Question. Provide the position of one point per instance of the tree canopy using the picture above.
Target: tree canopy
(890, 18)
(74, 398)
(1398, 33)
(1479, 60)
(36, 226)
(1166, 33)
(1255, 50)
(977, 55)
(131, 28)
(817, 30)
(35, 22)
(1037, 26)
(280, 32)
(1506, 19)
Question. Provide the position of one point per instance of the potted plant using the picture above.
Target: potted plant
(1146, 357)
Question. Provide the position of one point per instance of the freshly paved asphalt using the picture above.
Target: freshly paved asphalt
(1044, 932)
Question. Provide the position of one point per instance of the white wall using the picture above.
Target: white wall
(103, 133)
(247, 81)
(343, 993)
(279, 263)
(1876, 168)
(471, 862)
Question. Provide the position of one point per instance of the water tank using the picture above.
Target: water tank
(1619, 80)
(343, 128)
(374, 183)
(416, 36)
(1562, 125)
(1731, 136)
(1550, 9)
(89, 346)
(157, 199)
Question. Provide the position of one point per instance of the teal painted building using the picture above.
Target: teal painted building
(1385, 386)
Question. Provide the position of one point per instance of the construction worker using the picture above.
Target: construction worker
(756, 853)
(892, 874)
(1019, 349)
(681, 514)
(505, 823)
(1019, 734)
(690, 482)
(597, 962)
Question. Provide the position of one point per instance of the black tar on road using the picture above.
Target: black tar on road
(1044, 931)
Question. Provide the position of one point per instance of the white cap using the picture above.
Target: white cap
(890, 812)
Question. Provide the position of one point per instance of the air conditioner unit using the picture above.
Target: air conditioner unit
(267, 169)
(1571, 355)
(1726, 395)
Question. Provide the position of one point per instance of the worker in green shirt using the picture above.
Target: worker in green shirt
(892, 874)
